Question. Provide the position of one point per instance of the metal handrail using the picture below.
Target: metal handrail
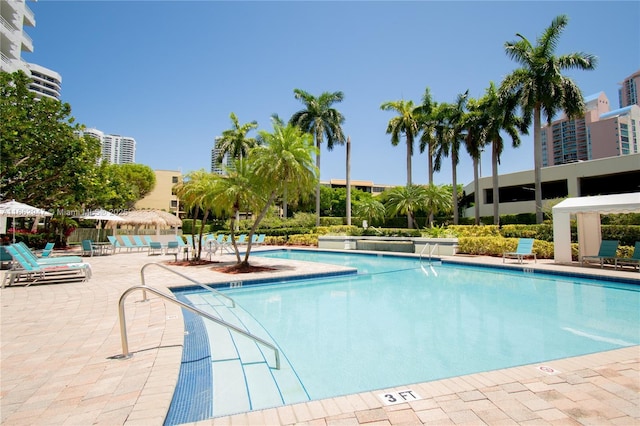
(430, 252)
(211, 289)
(123, 322)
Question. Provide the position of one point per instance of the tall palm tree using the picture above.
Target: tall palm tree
(321, 120)
(499, 116)
(540, 86)
(450, 133)
(407, 123)
(426, 123)
(475, 140)
(234, 141)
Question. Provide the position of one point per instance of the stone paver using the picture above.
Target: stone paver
(60, 343)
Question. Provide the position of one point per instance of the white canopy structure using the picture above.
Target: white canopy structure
(587, 210)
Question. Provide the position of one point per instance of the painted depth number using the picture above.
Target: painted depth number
(392, 398)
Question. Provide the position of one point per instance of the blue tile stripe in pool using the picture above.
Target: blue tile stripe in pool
(193, 396)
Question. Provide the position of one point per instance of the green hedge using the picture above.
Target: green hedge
(496, 246)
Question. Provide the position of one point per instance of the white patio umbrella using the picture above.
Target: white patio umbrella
(15, 209)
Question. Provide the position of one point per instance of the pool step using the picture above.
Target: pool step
(243, 379)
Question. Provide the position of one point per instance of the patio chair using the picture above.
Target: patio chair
(115, 244)
(155, 248)
(28, 273)
(26, 253)
(524, 249)
(147, 239)
(137, 242)
(634, 260)
(5, 258)
(224, 243)
(127, 243)
(259, 240)
(242, 239)
(173, 248)
(88, 249)
(47, 250)
(608, 249)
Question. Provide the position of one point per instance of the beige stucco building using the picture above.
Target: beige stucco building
(612, 175)
(162, 196)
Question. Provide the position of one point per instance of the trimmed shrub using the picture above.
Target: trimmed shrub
(303, 240)
(475, 231)
(496, 246)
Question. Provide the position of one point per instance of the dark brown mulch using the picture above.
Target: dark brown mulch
(242, 269)
(191, 262)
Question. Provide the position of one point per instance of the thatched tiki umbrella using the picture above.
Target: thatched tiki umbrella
(157, 218)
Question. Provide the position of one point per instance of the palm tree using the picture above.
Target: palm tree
(475, 140)
(320, 120)
(407, 122)
(437, 198)
(450, 133)
(234, 141)
(499, 116)
(405, 200)
(540, 87)
(237, 191)
(369, 209)
(426, 123)
(284, 163)
(195, 193)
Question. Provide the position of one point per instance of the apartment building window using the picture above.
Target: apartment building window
(174, 179)
(174, 204)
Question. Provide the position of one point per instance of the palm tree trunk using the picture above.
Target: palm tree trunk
(430, 162)
(476, 189)
(409, 172)
(537, 156)
(454, 178)
(285, 213)
(494, 182)
(318, 142)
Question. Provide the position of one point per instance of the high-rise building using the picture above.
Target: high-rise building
(599, 133)
(217, 166)
(15, 15)
(116, 149)
(628, 92)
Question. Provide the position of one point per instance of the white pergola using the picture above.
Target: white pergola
(588, 211)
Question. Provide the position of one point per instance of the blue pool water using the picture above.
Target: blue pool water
(399, 321)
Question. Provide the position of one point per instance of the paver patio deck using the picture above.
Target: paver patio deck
(57, 367)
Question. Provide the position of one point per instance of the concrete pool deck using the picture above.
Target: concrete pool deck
(58, 342)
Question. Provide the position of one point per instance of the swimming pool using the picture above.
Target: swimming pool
(399, 321)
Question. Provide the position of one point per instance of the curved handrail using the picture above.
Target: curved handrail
(430, 251)
(123, 321)
(211, 289)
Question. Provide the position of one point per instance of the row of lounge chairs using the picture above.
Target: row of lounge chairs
(28, 268)
(606, 254)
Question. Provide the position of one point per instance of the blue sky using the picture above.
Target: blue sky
(168, 73)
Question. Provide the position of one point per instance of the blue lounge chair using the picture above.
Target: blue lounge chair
(24, 270)
(115, 244)
(634, 260)
(137, 241)
(147, 239)
(524, 250)
(27, 254)
(608, 249)
(259, 240)
(127, 243)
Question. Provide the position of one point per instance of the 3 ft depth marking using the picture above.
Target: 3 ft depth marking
(400, 397)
